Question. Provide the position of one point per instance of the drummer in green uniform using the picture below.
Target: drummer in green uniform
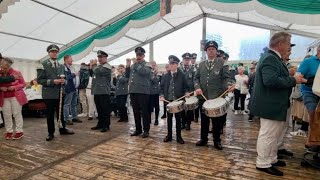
(211, 79)
(173, 86)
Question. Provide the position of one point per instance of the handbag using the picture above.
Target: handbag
(244, 90)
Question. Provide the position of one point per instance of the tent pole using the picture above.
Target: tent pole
(151, 57)
(204, 34)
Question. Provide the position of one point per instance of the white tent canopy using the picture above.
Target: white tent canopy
(27, 27)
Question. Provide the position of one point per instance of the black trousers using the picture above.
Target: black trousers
(178, 124)
(196, 113)
(140, 108)
(102, 102)
(187, 116)
(165, 109)
(237, 97)
(52, 106)
(121, 103)
(217, 124)
(154, 105)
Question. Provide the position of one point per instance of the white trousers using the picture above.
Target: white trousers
(92, 105)
(285, 128)
(11, 107)
(267, 144)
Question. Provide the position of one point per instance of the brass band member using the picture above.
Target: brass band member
(101, 90)
(211, 80)
(173, 86)
(139, 89)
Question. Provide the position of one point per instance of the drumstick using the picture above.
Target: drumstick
(227, 91)
(166, 101)
(204, 97)
(183, 96)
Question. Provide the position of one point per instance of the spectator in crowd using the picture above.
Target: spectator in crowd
(241, 91)
(84, 76)
(12, 99)
(71, 95)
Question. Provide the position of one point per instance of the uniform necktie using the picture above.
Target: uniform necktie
(55, 65)
(210, 64)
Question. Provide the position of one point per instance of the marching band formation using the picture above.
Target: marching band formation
(188, 91)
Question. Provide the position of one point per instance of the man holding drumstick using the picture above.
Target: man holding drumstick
(173, 86)
(210, 81)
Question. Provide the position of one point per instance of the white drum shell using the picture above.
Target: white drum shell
(191, 103)
(175, 106)
(215, 107)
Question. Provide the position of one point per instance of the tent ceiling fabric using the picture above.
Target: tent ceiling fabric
(33, 19)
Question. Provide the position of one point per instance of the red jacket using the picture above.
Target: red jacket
(19, 84)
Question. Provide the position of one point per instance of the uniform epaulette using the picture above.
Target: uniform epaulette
(39, 66)
(107, 65)
(148, 64)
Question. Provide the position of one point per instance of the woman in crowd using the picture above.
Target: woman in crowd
(241, 90)
(12, 98)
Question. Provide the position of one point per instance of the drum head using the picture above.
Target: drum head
(192, 100)
(214, 103)
(174, 103)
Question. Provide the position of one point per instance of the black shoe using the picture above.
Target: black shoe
(156, 122)
(163, 117)
(218, 145)
(136, 133)
(167, 139)
(188, 127)
(76, 120)
(201, 143)
(49, 137)
(285, 152)
(180, 140)
(280, 156)
(211, 131)
(65, 131)
(105, 129)
(90, 118)
(271, 170)
(279, 164)
(69, 122)
(121, 120)
(96, 128)
(1, 125)
(312, 149)
(145, 135)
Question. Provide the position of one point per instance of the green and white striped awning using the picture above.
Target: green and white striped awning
(81, 27)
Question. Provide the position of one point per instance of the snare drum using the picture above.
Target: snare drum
(215, 107)
(175, 106)
(191, 103)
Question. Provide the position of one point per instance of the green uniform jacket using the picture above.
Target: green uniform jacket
(189, 76)
(139, 78)
(101, 80)
(212, 81)
(46, 73)
(122, 85)
(272, 88)
(6, 79)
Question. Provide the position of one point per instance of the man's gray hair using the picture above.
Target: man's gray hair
(277, 38)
